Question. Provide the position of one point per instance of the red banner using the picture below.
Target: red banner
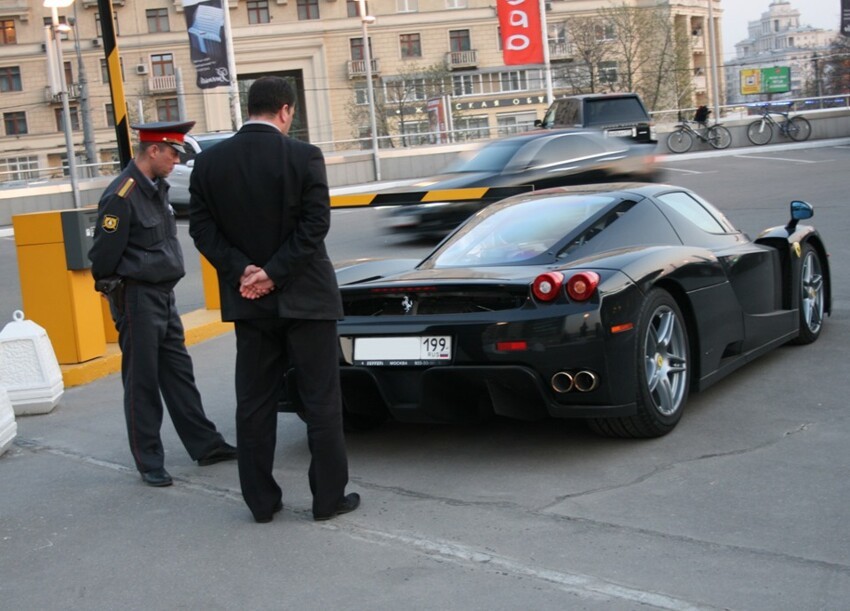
(519, 21)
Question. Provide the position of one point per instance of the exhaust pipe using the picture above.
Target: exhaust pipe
(562, 382)
(586, 381)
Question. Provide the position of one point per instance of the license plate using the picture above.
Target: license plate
(402, 351)
(620, 132)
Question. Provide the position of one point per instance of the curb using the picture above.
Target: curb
(198, 326)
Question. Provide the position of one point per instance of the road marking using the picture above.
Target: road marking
(666, 169)
(780, 159)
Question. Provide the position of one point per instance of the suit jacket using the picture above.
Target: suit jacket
(261, 197)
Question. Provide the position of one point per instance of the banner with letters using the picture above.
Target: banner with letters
(522, 37)
(845, 17)
(207, 42)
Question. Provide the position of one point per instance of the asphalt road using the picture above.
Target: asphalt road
(743, 506)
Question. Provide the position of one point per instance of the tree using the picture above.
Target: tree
(835, 67)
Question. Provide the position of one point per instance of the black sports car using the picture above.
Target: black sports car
(608, 302)
(537, 160)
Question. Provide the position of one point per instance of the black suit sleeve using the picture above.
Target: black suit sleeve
(313, 223)
(228, 260)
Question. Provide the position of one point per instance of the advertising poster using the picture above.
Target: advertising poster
(205, 22)
(519, 23)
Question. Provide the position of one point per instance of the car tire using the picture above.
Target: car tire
(663, 374)
(812, 296)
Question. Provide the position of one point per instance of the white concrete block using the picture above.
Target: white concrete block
(8, 426)
(28, 367)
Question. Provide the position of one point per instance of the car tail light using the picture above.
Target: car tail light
(546, 286)
(581, 286)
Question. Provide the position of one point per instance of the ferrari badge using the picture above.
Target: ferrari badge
(797, 250)
(110, 223)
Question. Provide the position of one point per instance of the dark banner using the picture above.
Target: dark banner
(205, 22)
(845, 17)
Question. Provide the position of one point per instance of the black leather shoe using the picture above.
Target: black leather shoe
(267, 519)
(157, 477)
(223, 452)
(349, 503)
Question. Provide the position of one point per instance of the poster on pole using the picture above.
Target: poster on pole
(521, 32)
(207, 43)
(845, 17)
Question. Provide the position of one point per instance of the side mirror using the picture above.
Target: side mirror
(800, 211)
(538, 123)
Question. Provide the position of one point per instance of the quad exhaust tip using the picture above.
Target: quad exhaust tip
(583, 381)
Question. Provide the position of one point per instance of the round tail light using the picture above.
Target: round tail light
(546, 286)
(581, 286)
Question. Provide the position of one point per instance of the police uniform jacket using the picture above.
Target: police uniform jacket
(262, 198)
(136, 232)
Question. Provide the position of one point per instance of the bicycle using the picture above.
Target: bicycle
(681, 139)
(761, 131)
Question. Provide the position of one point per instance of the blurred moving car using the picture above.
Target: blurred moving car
(538, 159)
(616, 114)
(179, 177)
(605, 302)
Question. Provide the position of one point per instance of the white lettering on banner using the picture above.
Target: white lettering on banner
(519, 18)
(517, 42)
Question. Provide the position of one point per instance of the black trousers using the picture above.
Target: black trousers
(264, 350)
(154, 360)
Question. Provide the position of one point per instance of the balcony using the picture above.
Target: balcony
(162, 84)
(698, 44)
(73, 94)
(357, 67)
(560, 51)
(457, 60)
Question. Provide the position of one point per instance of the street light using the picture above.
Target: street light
(63, 92)
(85, 109)
(365, 20)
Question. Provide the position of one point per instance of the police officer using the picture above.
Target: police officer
(137, 260)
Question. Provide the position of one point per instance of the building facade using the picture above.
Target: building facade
(777, 39)
(319, 45)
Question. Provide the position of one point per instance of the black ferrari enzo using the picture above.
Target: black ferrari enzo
(607, 302)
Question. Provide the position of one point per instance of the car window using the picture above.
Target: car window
(563, 112)
(492, 157)
(614, 110)
(693, 210)
(206, 143)
(515, 232)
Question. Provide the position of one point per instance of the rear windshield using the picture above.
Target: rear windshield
(508, 234)
(492, 157)
(615, 110)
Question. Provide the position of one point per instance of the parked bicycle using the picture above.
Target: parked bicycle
(681, 139)
(761, 131)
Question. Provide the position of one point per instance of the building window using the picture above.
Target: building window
(459, 40)
(515, 80)
(516, 123)
(353, 7)
(361, 94)
(63, 33)
(104, 70)
(608, 72)
(407, 6)
(166, 109)
(162, 64)
(110, 115)
(7, 37)
(60, 119)
(471, 128)
(157, 20)
(258, 11)
(308, 9)
(10, 79)
(456, 3)
(19, 168)
(357, 51)
(69, 75)
(15, 122)
(466, 84)
(411, 45)
(99, 30)
(604, 31)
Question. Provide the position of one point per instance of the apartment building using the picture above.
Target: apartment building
(319, 45)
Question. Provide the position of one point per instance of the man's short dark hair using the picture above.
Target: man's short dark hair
(268, 94)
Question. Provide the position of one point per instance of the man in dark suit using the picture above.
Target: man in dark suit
(259, 212)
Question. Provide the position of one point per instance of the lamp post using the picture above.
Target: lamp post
(85, 109)
(63, 93)
(367, 57)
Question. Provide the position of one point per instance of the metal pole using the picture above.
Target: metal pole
(66, 110)
(367, 56)
(85, 107)
(116, 84)
(544, 36)
(235, 108)
(712, 48)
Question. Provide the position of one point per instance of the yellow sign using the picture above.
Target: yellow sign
(750, 81)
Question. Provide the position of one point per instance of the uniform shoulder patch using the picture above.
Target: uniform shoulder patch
(110, 222)
(126, 187)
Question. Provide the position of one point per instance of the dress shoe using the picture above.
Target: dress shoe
(349, 502)
(267, 519)
(225, 451)
(157, 477)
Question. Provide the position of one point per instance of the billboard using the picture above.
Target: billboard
(766, 80)
(522, 36)
(207, 44)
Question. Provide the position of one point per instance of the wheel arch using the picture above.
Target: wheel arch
(680, 296)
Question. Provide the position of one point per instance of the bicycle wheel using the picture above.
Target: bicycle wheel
(759, 132)
(719, 137)
(679, 141)
(798, 128)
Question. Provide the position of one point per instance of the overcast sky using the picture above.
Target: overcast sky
(736, 13)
